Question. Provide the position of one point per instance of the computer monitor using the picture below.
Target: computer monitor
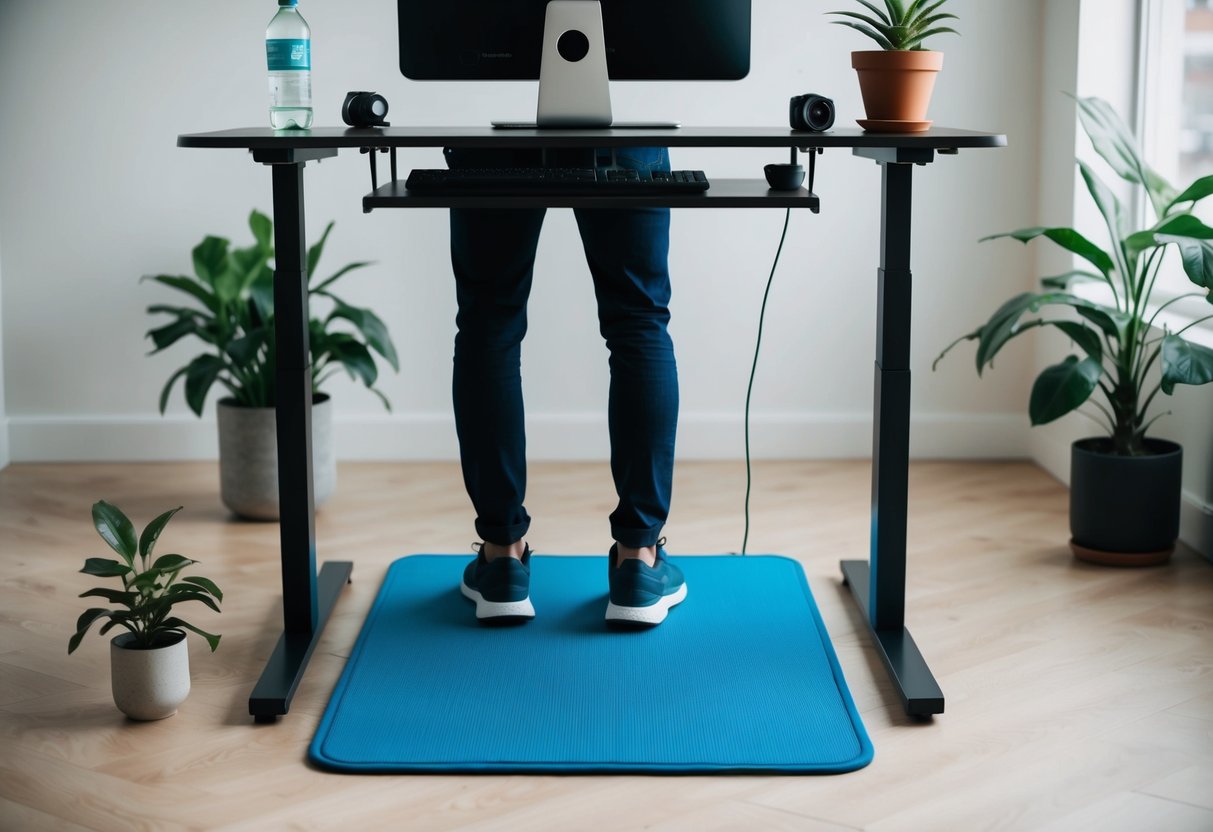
(574, 46)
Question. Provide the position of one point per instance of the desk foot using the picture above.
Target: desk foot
(920, 694)
(272, 696)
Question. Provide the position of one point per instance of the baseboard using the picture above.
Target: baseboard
(1195, 514)
(576, 436)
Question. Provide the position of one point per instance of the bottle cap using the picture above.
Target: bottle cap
(288, 2)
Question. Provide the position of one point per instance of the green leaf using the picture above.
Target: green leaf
(199, 376)
(1063, 388)
(880, 39)
(263, 231)
(1178, 225)
(1002, 326)
(1195, 192)
(243, 350)
(355, 357)
(115, 529)
(114, 596)
(1068, 239)
(1086, 338)
(170, 334)
(169, 563)
(1184, 363)
(205, 583)
(210, 258)
(914, 41)
(881, 16)
(1196, 252)
(246, 264)
(313, 253)
(105, 568)
(212, 640)
(192, 288)
(85, 621)
(370, 327)
(151, 533)
(1106, 201)
(168, 388)
(340, 273)
(181, 596)
(1063, 281)
(1114, 141)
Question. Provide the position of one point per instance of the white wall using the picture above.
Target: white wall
(4, 449)
(1104, 31)
(101, 195)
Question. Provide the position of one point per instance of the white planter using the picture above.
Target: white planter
(248, 457)
(149, 684)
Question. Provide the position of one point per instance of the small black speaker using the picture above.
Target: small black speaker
(811, 112)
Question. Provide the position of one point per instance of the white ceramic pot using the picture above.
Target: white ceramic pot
(149, 684)
(248, 457)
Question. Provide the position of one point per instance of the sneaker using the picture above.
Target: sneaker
(500, 587)
(642, 595)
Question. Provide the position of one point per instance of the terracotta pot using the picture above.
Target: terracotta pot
(896, 85)
(149, 684)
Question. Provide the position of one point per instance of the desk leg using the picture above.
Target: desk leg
(879, 583)
(306, 601)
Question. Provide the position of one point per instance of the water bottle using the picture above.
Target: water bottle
(288, 52)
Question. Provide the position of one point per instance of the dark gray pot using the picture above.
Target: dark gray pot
(248, 457)
(1125, 505)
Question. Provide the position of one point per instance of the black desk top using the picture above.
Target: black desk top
(265, 138)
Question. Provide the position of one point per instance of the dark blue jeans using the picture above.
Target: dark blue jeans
(493, 254)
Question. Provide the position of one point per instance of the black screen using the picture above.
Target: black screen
(646, 40)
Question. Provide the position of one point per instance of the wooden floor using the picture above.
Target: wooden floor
(1077, 697)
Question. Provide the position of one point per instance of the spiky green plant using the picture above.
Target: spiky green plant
(899, 26)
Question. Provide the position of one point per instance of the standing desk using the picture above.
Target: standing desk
(877, 584)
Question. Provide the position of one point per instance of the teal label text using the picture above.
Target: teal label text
(284, 54)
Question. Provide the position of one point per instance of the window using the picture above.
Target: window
(1175, 95)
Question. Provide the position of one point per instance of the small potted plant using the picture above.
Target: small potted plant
(149, 663)
(1125, 486)
(232, 313)
(896, 80)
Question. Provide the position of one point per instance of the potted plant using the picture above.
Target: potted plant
(1125, 486)
(149, 663)
(232, 290)
(896, 81)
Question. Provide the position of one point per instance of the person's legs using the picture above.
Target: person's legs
(493, 256)
(627, 251)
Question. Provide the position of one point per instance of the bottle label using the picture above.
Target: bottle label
(285, 54)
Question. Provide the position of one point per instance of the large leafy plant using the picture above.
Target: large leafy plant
(900, 25)
(1118, 348)
(233, 289)
(150, 588)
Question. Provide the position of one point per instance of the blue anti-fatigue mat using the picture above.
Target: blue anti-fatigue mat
(740, 677)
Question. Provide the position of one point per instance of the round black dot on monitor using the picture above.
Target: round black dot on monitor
(573, 46)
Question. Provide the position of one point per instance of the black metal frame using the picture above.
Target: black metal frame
(307, 599)
(877, 584)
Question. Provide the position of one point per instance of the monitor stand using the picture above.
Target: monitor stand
(574, 90)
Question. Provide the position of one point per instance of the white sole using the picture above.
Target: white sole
(652, 614)
(498, 609)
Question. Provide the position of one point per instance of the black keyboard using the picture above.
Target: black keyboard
(578, 181)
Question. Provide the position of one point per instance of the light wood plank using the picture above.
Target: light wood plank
(1076, 696)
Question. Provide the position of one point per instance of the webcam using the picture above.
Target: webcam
(811, 112)
(364, 109)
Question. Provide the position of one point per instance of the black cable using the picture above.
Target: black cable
(753, 369)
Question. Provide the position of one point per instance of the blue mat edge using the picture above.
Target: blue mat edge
(317, 756)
